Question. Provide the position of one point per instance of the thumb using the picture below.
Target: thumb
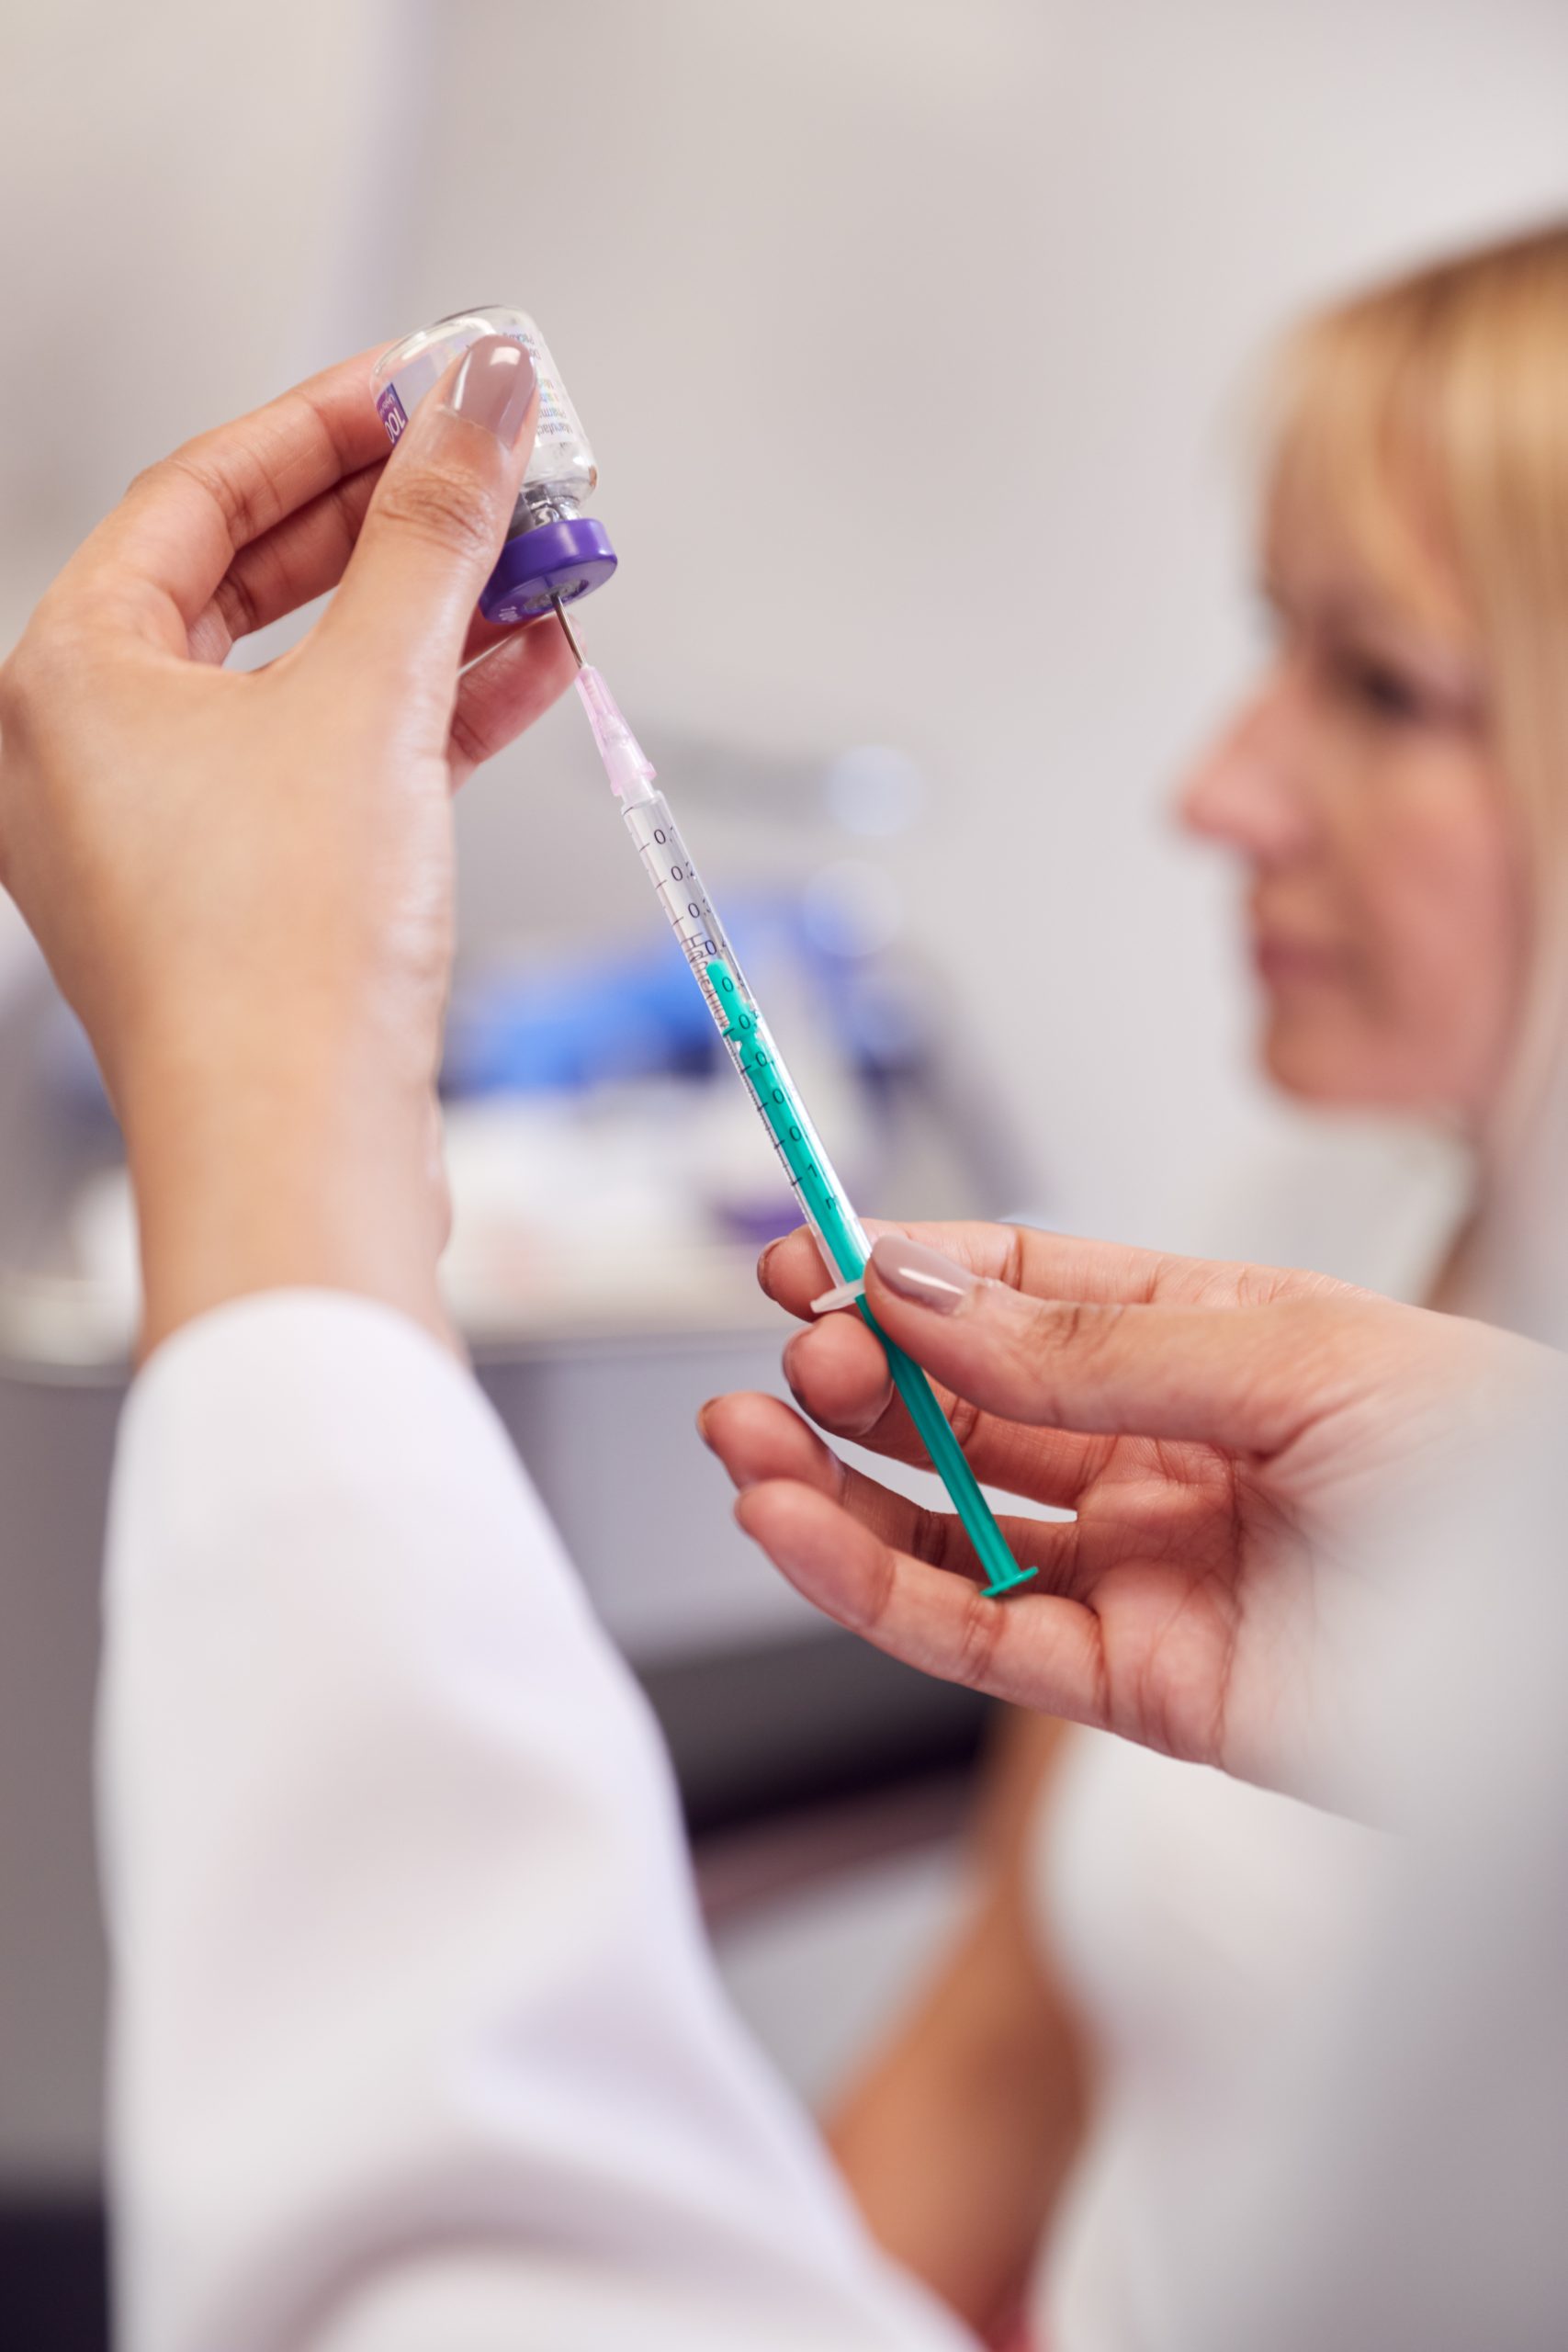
(1247, 1378)
(434, 528)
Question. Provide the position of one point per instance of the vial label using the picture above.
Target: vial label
(553, 422)
(392, 413)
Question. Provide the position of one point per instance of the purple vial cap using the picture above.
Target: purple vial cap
(566, 559)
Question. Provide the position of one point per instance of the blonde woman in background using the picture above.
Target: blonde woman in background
(1397, 789)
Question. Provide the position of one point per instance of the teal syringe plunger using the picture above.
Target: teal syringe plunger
(822, 1198)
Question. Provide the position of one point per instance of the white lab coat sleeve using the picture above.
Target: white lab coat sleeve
(417, 2044)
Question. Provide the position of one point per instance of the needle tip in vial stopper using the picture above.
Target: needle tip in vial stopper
(626, 764)
(568, 631)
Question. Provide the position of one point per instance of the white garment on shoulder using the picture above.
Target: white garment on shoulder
(417, 2047)
(1335, 2065)
(1189, 1916)
(1192, 1915)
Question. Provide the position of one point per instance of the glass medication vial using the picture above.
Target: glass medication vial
(553, 551)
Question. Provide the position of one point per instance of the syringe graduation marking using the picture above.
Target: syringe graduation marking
(742, 1026)
(775, 1098)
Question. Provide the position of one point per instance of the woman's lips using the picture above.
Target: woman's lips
(1283, 962)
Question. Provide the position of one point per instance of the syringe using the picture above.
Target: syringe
(823, 1201)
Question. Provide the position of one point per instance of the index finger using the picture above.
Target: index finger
(1047, 1265)
(1045, 1649)
(1248, 1378)
(162, 551)
(838, 1374)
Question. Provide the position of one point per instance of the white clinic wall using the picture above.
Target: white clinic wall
(911, 334)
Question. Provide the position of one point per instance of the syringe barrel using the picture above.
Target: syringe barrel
(823, 1202)
(747, 1039)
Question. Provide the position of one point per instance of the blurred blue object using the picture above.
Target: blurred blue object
(602, 1018)
(582, 1023)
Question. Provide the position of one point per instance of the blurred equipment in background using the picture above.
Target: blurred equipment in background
(607, 1177)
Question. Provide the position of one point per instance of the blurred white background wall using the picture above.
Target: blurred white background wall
(913, 336)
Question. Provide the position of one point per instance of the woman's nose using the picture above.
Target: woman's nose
(1248, 790)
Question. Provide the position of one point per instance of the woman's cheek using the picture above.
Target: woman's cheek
(1452, 939)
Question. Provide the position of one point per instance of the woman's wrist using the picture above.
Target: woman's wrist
(305, 1175)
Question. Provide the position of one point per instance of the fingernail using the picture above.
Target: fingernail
(922, 1276)
(494, 385)
(702, 1412)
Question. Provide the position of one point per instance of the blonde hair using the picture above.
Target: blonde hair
(1427, 420)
